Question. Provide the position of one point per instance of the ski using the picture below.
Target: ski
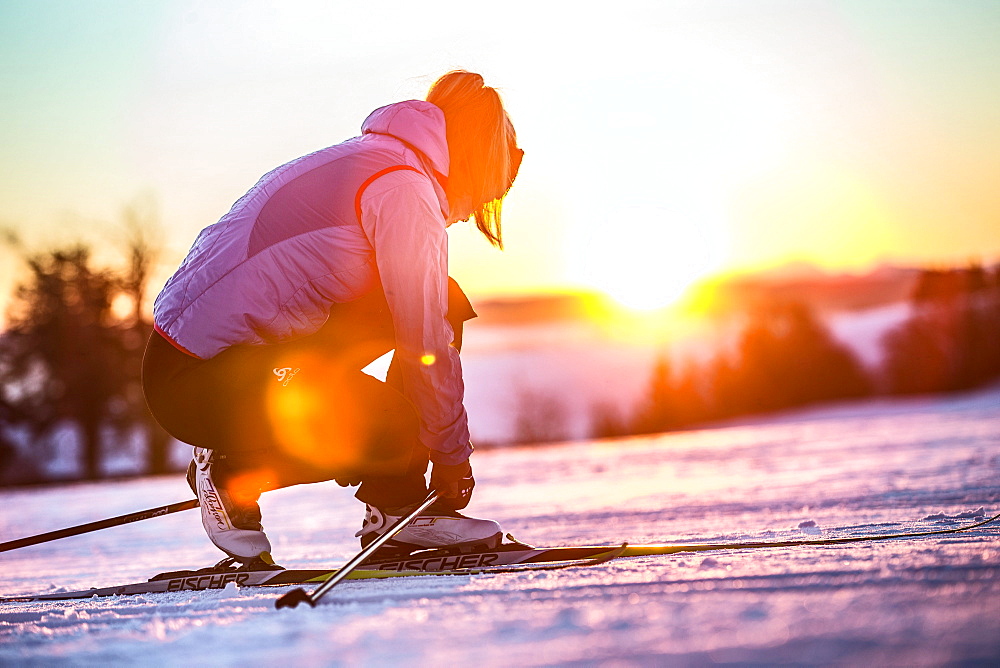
(509, 557)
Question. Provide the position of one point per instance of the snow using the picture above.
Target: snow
(849, 470)
(862, 331)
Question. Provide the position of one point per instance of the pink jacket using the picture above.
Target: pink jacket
(321, 230)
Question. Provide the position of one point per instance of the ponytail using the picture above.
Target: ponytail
(482, 147)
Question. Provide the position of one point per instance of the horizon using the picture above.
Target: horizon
(705, 298)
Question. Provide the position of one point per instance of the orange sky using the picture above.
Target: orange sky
(664, 140)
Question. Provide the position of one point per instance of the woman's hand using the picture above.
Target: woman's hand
(454, 482)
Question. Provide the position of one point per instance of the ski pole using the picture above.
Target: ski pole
(299, 595)
(100, 524)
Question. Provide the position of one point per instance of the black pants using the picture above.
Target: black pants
(301, 411)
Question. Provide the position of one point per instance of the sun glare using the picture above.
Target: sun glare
(651, 257)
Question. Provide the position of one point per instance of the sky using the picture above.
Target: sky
(665, 141)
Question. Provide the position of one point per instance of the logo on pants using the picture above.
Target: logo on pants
(285, 375)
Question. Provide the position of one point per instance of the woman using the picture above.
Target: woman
(327, 263)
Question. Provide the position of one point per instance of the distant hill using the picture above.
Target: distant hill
(540, 308)
(823, 292)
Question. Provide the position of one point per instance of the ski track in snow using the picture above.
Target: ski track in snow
(848, 470)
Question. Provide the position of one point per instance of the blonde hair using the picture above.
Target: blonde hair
(482, 147)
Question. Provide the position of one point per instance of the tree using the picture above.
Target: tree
(143, 243)
(951, 340)
(785, 359)
(73, 349)
(659, 411)
(607, 421)
(691, 406)
(60, 355)
(672, 400)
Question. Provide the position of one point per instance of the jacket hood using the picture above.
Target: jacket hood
(419, 124)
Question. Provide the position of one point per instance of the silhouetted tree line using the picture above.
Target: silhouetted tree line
(952, 340)
(785, 358)
(71, 357)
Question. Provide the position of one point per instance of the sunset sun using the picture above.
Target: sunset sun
(651, 256)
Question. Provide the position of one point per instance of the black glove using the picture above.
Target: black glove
(454, 482)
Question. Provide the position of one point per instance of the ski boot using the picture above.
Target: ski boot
(232, 525)
(435, 528)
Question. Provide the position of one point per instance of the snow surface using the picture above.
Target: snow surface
(848, 470)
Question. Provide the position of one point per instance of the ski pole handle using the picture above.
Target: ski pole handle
(299, 595)
(98, 525)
